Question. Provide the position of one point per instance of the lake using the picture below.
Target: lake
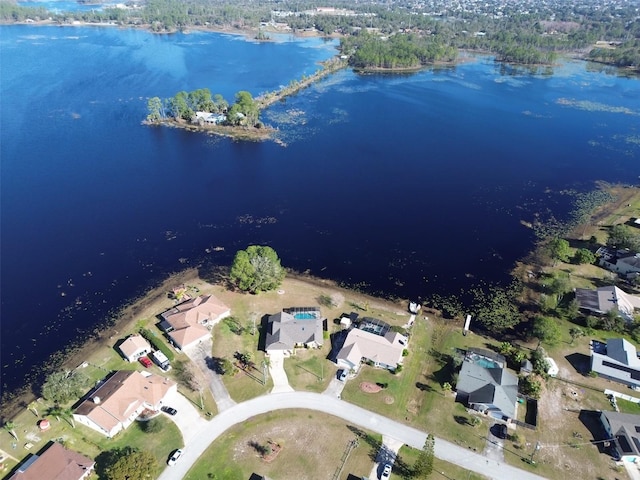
(401, 185)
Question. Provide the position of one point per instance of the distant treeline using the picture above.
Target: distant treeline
(531, 36)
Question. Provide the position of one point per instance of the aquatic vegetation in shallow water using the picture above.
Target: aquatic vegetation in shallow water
(594, 106)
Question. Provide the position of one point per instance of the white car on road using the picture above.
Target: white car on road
(174, 457)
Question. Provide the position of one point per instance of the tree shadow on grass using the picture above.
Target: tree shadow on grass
(462, 420)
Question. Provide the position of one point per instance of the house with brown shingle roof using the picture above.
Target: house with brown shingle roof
(134, 347)
(383, 351)
(118, 400)
(188, 323)
(55, 463)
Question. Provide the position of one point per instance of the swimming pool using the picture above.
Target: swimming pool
(485, 363)
(304, 316)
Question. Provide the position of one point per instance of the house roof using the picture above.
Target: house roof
(120, 395)
(55, 463)
(133, 345)
(285, 331)
(386, 349)
(625, 427)
(623, 351)
(605, 299)
(189, 318)
(490, 386)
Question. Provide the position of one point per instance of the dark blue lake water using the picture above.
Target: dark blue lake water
(408, 185)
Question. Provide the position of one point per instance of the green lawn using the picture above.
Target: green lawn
(89, 442)
(309, 369)
(626, 406)
(313, 445)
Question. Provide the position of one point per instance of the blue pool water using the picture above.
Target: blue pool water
(304, 316)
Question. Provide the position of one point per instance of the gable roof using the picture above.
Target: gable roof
(604, 299)
(386, 350)
(134, 344)
(490, 386)
(623, 351)
(55, 463)
(284, 331)
(189, 318)
(118, 397)
(625, 427)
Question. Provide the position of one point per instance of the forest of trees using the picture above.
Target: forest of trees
(368, 51)
(526, 37)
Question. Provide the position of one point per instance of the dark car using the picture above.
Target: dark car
(499, 430)
(169, 410)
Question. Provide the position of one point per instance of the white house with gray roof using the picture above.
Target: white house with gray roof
(604, 299)
(623, 262)
(485, 385)
(287, 331)
(616, 360)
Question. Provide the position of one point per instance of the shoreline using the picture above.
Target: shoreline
(155, 299)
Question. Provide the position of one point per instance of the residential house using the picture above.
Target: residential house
(604, 299)
(134, 347)
(120, 399)
(616, 360)
(623, 429)
(189, 323)
(383, 351)
(210, 118)
(292, 328)
(623, 262)
(55, 463)
(484, 384)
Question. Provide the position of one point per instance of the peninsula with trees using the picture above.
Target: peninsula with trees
(199, 110)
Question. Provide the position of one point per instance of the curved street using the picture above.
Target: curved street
(208, 431)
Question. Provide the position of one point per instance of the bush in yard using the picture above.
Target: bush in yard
(157, 343)
(151, 426)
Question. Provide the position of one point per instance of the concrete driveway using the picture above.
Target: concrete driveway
(353, 414)
(188, 419)
(494, 446)
(335, 388)
(278, 375)
(387, 454)
(201, 355)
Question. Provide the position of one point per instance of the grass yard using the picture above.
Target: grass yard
(407, 456)
(625, 406)
(309, 369)
(312, 443)
(86, 441)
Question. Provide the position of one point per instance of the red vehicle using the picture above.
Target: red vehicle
(145, 362)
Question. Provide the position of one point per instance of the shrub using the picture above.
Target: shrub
(157, 343)
(151, 426)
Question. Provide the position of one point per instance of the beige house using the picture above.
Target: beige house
(120, 399)
(55, 463)
(384, 351)
(189, 322)
(134, 347)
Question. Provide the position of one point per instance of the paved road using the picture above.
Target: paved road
(350, 413)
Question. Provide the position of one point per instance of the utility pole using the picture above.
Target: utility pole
(536, 448)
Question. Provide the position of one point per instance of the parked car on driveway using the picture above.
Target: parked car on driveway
(171, 411)
(343, 375)
(174, 457)
(145, 362)
(386, 472)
